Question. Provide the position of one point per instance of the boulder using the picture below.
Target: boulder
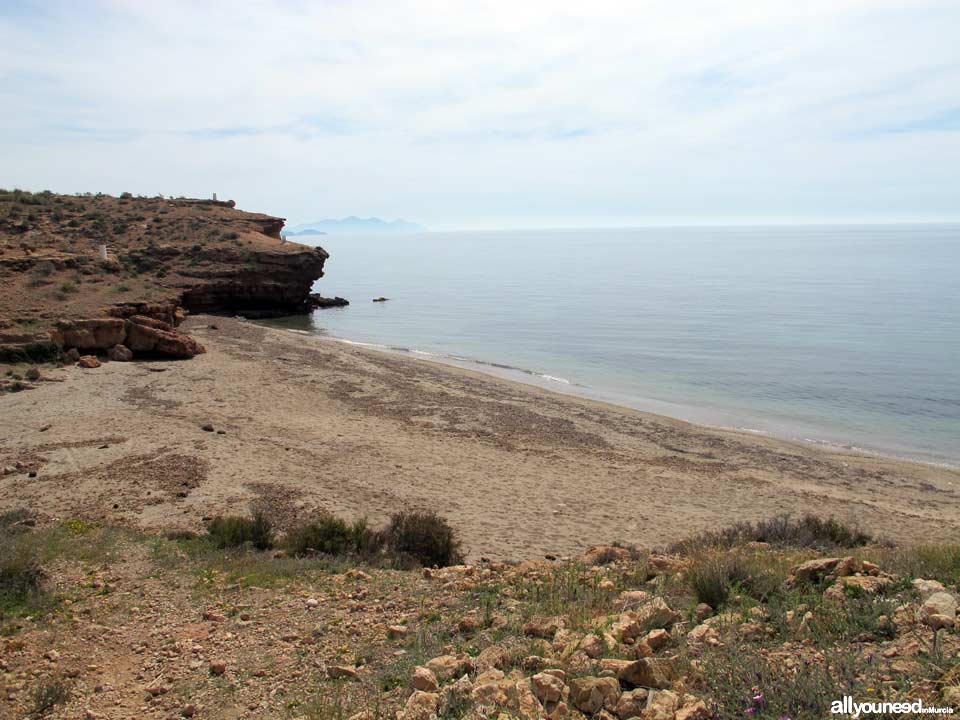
(592, 694)
(939, 609)
(648, 673)
(593, 646)
(342, 672)
(631, 703)
(491, 693)
(420, 706)
(424, 679)
(662, 706)
(657, 639)
(120, 353)
(528, 705)
(144, 338)
(548, 688)
(696, 710)
(93, 334)
(88, 361)
(926, 588)
(824, 569)
(318, 301)
(447, 667)
(868, 584)
(656, 614)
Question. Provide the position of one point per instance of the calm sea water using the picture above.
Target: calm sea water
(839, 334)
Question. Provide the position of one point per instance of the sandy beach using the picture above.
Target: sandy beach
(303, 423)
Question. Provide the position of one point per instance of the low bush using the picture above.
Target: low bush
(423, 536)
(782, 531)
(236, 531)
(332, 536)
(750, 684)
(47, 695)
(21, 577)
(715, 576)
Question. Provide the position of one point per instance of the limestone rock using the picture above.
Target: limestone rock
(824, 568)
(647, 672)
(421, 705)
(92, 334)
(424, 679)
(868, 584)
(144, 337)
(656, 614)
(342, 672)
(941, 604)
(528, 705)
(662, 706)
(447, 667)
(547, 687)
(120, 353)
(631, 703)
(697, 710)
(593, 646)
(592, 694)
(657, 639)
(926, 588)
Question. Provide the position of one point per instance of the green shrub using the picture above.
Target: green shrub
(47, 695)
(715, 576)
(749, 684)
(34, 353)
(236, 531)
(423, 536)
(782, 531)
(21, 576)
(332, 536)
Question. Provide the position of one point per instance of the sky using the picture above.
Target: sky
(489, 114)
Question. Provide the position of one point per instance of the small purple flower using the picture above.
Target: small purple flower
(750, 711)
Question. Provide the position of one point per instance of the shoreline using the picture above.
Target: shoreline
(307, 426)
(679, 411)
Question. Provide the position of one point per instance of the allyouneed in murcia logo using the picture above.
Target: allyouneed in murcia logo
(848, 706)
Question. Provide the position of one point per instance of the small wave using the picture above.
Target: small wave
(362, 344)
(447, 357)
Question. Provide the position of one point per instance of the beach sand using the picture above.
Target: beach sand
(303, 423)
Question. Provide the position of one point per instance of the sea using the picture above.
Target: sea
(846, 336)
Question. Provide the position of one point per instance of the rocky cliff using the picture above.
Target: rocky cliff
(92, 272)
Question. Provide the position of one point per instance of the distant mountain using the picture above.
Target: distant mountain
(308, 231)
(356, 226)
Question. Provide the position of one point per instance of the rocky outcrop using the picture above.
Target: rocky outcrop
(81, 273)
(126, 338)
(258, 283)
(318, 301)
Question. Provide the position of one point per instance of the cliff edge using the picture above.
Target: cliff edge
(92, 272)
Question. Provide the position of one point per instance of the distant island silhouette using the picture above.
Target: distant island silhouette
(355, 226)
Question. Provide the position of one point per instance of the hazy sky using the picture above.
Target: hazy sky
(493, 114)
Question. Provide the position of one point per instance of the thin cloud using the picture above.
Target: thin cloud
(471, 114)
